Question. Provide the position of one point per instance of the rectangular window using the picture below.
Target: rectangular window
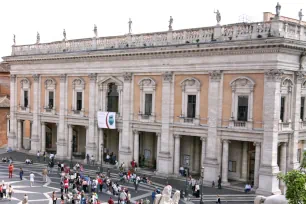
(79, 101)
(148, 104)
(299, 155)
(231, 166)
(282, 108)
(25, 98)
(191, 106)
(302, 108)
(51, 99)
(243, 102)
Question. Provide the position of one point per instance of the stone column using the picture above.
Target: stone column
(136, 146)
(120, 157)
(125, 152)
(257, 163)
(244, 164)
(177, 150)
(70, 140)
(296, 104)
(35, 137)
(211, 163)
(19, 135)
(61, 140)
(91, 144)
(283, 163)
(12, 139)
(158, 135)
(43, 137)
(203, 150)
(225, 162)
(101, 144)
(268, 182)
(165, 160)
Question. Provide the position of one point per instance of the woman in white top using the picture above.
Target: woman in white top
(32, 176)
(10, 192)
(4, 189)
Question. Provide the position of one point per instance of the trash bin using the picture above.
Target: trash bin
(186, 171)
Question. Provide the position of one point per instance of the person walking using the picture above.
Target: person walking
(54, 198)
(110, 201)
(45, 173)
(11, 169)
(4, 189)
(108, 173)
(87, 158)
(45, 156)
(38, 156)
(136, 183)
(20, 173)
(10, 192)
(92, 160)
(218, 199)
(219, 182)
(32, 176)
(25, 199)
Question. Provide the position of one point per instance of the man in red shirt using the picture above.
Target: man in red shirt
(11, 169)
(110, 201)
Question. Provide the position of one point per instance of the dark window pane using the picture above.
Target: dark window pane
(26, 98)
(79, 101)
(282, 109)
(148, 104)
(302, 108)
(51, 99)
(112, 98)
(243, 102)
(191, 106)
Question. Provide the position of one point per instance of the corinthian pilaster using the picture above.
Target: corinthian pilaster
(61, 140)
(36, 135)
(12, 139)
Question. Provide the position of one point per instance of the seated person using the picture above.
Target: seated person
(182, 171)
(247, 188)
(28, 161)
(4, 159)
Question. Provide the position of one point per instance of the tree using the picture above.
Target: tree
(295, 181)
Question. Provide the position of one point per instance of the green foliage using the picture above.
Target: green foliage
(295, 181)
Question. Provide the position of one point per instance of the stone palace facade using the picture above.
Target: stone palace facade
(229, 98)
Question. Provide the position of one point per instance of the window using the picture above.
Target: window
(112, 98)
(148, 104)
(282, 108)
(302, 108)
(242, 114)
(299, 155)
(51, 99)
(191, 106)
(26, 99)
(231, 166)
(79, 101)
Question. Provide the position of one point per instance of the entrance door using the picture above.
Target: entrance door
(251, 167)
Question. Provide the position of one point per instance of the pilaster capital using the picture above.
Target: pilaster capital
(300, 76)
(215, 75)
(274, 74)
(256, 144)
(203, 139)
(135, 131)
(127, 76)
(119, 130)
(92, 77)
(283, 144)
(86, 127)
(225, 141)
(158, 134)
(63, 77)
(42, 123)
(70, 125)
(176, 136)
(13, 77)
(35, 77)
(168, 76)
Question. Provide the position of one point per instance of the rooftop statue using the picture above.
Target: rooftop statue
(218, 16)
(64, 34)
(95, 30)
(165, 197)
(14, 39)
(277, 9)
(301, 15)
(130, 26)
(170, 23)
(37, 38)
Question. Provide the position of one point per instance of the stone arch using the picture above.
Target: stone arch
(242, 82)
(25, 83)
(191, 82)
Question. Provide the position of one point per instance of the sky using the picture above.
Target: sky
(25, 18)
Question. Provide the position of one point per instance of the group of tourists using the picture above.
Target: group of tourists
(6, 191)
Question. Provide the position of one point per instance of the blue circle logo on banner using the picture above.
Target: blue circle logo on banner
(111, 120)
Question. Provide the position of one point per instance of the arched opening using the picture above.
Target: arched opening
(112, 98)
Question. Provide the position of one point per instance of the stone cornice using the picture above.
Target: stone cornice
(208, 49)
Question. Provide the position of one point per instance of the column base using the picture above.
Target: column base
(211, 171)
(165, 163)
(268, 182)
(125, 156)
(225, 183)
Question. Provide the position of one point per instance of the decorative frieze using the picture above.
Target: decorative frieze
(215, 75)
(13, 77)
(36, 77)
(63, 77)
(274, 74)
(92, 77)
(168, 76)
(300, 76)
(127, 76)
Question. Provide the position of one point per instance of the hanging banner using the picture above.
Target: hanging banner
(106, 120)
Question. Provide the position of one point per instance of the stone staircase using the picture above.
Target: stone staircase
(239, 198)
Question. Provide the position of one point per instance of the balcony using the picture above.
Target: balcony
(187, 120)
(240, 124)
(146, 117)
(50, 109)
(78, 112)
(285, 126)
(24, 108)
(302, 125)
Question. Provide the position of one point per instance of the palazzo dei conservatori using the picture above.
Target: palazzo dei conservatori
(229, 98)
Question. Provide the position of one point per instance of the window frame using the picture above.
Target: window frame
(25, 86)
(50, 86)
(78, 85)
(286, 91)
(150, 104)
(146, 85)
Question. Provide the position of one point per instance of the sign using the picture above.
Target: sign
(106, 120)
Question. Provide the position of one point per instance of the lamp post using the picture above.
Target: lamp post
(186, 187)
(101, 170)
(202, 178)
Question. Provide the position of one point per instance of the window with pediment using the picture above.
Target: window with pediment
(147, 88)
(25, 95)
(242, 102)
(303, 101)
(190, 113)
(286, 100)
(110, 95)
(78, 86)
(50, 85)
